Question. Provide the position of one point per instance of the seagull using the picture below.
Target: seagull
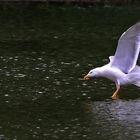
(122, 68)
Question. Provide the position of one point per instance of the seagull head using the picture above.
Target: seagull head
(93, 73)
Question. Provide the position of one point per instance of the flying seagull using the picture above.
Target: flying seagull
(122, 68)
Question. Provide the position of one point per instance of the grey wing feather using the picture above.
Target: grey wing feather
(127, 52)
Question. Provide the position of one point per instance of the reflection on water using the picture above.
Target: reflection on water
(119, 119)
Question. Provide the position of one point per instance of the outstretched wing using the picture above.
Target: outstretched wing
(128, 48)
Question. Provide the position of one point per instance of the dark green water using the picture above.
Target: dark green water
(44, 53)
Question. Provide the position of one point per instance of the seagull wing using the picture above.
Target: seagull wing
(128, 48)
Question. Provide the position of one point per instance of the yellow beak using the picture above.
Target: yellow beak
(86, 77)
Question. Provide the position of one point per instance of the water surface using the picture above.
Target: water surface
(42, 62)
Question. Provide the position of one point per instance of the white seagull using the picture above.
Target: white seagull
(122, 68)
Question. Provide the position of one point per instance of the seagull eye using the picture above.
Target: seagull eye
(90, 72)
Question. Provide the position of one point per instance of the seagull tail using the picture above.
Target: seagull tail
(135, 75)
(137, 83)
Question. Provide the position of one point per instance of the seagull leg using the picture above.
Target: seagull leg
(114, 96)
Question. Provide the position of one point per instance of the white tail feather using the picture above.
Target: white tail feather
(137, 83)
(135, 76)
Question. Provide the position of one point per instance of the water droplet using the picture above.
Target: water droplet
(84, 84)
(84, 94)
(6, 95)
(55, 37)
(40, 92)
(66, 128)
(40, 58)
(20, 75)
(62, 130)
(58, 124)
(77, 65)
(84, 136)
(74, 132)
